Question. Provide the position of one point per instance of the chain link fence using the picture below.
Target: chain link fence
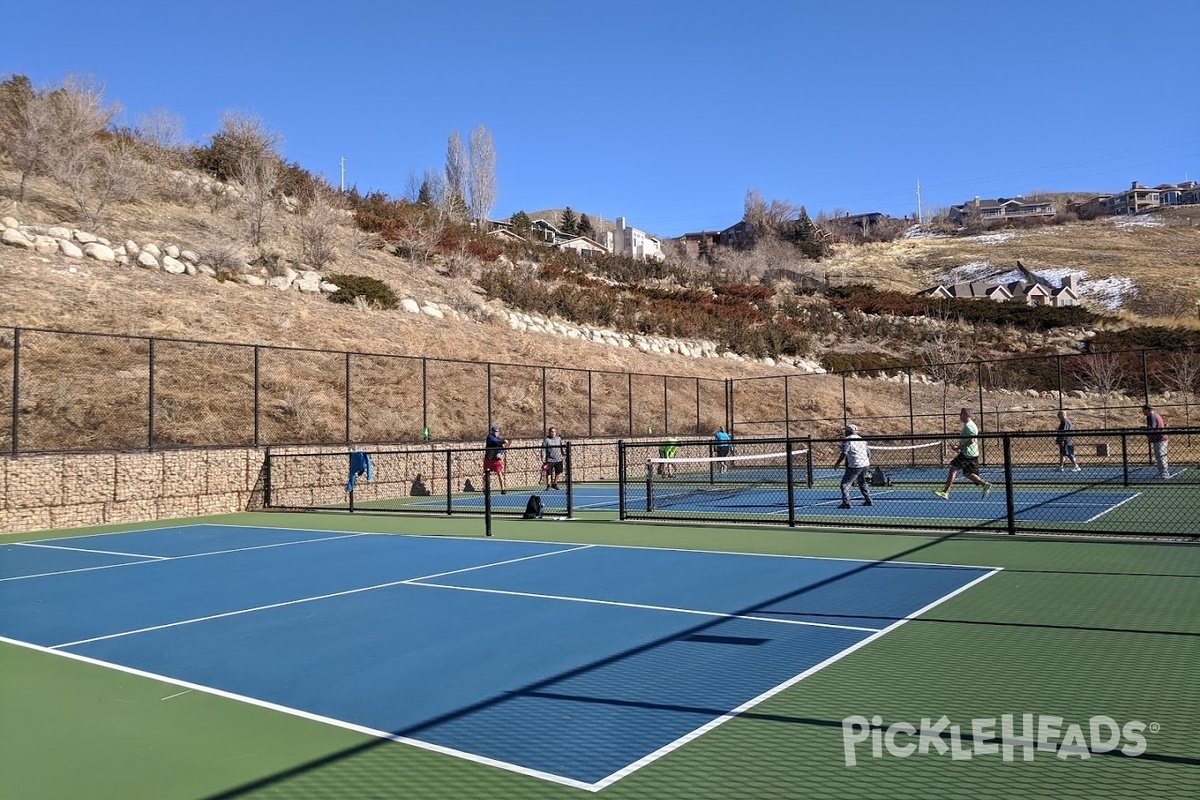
(65, 391)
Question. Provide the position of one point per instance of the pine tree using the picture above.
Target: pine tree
(585, 227)
(425, 195)
(568, 223)
(522, 225)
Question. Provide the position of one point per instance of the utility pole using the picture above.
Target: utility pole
(343, 162)
(919, 219)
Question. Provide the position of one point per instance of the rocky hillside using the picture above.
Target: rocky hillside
(174, 268)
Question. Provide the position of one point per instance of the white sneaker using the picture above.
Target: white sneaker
(1077, 468)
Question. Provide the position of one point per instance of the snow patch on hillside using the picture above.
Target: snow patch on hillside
(1144, 221)
(991, 238)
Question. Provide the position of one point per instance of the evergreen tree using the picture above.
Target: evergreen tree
(585, 227)
(806, 236)
(425, 195)
(522, 225)
(568, 223)
(705, 253)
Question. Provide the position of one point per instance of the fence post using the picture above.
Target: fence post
(621, 477)
(912, 422)
(629, 393)
(697, 406)
(425, 394)
(590, 425)
(150, 400)
(16, 391)
(1125, 458)
(791, 486)
(257, 398)
(347, 397)
(845, 410)
(570, 479)
(1010, 506)
(449, 482)
(490, 419)
(544, 417)
(787, 409)
(666, 416)
(267, 480)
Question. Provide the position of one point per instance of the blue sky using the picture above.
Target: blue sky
(667, 112)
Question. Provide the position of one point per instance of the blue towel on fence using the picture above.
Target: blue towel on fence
(360, 464)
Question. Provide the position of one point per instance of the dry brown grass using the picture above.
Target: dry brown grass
(53, 292)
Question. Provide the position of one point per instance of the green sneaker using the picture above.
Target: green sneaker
(942, 494)
(987, 487)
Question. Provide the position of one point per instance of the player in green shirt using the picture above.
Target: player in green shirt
(967, 459)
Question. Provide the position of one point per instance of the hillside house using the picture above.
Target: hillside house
(1002, 209)
(1028, 288)
(588, 248)
(1138, 199)
(629, 241)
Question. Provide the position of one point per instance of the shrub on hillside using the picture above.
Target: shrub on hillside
(372, 291)
(870, 363)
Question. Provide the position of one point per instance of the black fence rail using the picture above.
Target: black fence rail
(1103, 390)
(84, 392)
(1108, 482)
(435, 481)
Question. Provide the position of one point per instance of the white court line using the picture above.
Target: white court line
(86, 550)
(311, 599)
(703, 729)
(295, 712)
(160, 559)
(643, 606)
(1133, 496)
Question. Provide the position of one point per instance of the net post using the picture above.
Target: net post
(487, 503)
(1010, 506)
(449, 483)
(621, 478)
(1125, 458)
(791, 486)
(808, 462)
(712, 465)
(567, 467)
(649, 484)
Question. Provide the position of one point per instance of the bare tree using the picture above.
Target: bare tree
(96, 172)
(481, 181)
(1182, 374)
(259, 176)
(318, 229)
(947, 361)
(454, 177)
(418, 236)
(767, 218)
(26, 119)
(1101, 373)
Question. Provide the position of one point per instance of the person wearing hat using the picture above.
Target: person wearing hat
(493, 456)
(857, 455)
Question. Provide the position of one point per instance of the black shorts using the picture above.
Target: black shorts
(968, 464)
(554, 467)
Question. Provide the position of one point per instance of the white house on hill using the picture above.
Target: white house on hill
(627, 241)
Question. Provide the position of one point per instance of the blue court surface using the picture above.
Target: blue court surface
(574, 663)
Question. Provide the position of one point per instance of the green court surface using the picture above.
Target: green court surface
(1084, 631)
